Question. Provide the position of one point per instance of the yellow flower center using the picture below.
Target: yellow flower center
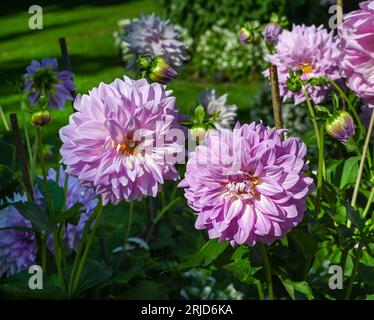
(125, 148)
(307, 68)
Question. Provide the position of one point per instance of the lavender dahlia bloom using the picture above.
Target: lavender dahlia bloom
(310, 49)
(156, 37)
(76, 193)
(17, 247)
(218, 105)
(58, 86)
(116, 142)
(357, 58)
(247, 185)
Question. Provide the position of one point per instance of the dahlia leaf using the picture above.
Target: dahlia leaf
(355, 217)
(301, 287)
(34, 214)
(206, 255)
(304, 241)
(349, 172)
(94, 274)
(56, 193)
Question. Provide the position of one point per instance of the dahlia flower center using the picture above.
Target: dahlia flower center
(243, 188)
(126, 148)
(307, 68)
(44, 79)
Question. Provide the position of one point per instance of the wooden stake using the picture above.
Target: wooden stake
(65, 54)
(339, 3)
(275, 96)
(66, 60)
(22, 155)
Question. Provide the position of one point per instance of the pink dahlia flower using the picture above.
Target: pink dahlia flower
(357, 45)
(247, 185)
(118, 142)
(310, 49)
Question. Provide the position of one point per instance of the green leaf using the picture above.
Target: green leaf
(355, 217)
(94, 274)
(349, 172)
(17, 286)
(307, 244)
(34, 214)
(322, 113)
(56, 193)
(206, 255)
(302, 287)
(72, 215)
(199, 114)
(241, 267)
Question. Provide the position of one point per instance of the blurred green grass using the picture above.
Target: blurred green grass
(89, 33)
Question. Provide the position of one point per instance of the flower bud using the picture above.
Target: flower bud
(245, 35)
(40, 118)
(198, 133)
(272, 32)
(340, 126)
(160, 71)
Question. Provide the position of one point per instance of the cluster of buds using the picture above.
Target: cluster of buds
(156, 69)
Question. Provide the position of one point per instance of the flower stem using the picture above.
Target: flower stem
(44, 170)
(260, 290)
(267, 269)
(60, 271)
(27, 137)
(3, 118)
(319, 133)
(313, 116)
(87, 248)
(82, 243)
(354, 271)
(368, 205)
(362, 162)
(127, 235)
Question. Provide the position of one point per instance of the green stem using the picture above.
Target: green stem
(87, 249)
(27, 137)
(82, 243)
(354, 271)
(3, 118)
(313, 116)
(127, 235)
(320, 137)
(260, 290)
(361, 167)
(60, 272)
(368, 205)
(44, 253)
(267, 269)
(44, 170)
(344, 96)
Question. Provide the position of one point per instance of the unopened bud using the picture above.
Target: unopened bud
(40, 118)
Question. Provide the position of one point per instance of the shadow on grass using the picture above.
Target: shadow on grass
(47, 28)
(7, 7)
